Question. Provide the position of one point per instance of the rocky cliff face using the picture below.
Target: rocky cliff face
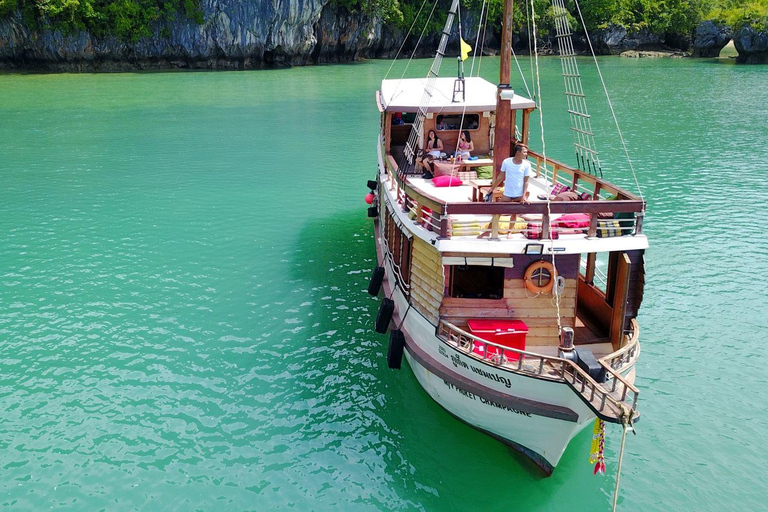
(236, 34)
(246, 34)
(752, 44)
(710, 39)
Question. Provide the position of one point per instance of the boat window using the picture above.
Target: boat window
(454, 122)
(477, 282)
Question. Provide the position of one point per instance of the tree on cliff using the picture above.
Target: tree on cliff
(126, 19)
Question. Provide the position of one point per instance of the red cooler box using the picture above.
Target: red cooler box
(508, 333)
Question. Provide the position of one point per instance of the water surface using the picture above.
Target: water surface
(183, 317)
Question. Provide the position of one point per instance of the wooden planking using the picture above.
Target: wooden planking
(426, 279)
(427, 269)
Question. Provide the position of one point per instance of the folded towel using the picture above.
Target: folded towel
(472, 158)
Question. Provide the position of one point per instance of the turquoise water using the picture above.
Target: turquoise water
(184, 324)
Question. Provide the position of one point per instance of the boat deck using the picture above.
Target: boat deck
(463, 193)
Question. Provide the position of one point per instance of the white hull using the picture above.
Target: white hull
(535, 416)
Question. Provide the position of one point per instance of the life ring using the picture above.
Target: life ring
(536, 277)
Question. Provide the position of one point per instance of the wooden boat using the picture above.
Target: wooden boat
(518, 318)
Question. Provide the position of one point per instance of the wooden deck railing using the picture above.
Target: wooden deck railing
(432, 210)
(609, 400)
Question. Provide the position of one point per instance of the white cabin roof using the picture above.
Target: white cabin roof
(406, 95)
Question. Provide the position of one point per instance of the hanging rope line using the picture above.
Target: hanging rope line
(478, 53)
(412, 145)
(555, 289)
(525, 83)
(530, 49)
(587, 157)
(402, 45)
(610, 104)
(397, 89)
(625, 425)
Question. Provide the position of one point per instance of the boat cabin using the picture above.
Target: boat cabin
(461, 259)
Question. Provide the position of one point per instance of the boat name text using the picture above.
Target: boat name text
(459, 362)
(485, 401)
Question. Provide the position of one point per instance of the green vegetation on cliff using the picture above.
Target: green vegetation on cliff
(132, 19)
(126, 19)
(738, 13)
(658, 16)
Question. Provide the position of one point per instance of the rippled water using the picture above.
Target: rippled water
(183, 323)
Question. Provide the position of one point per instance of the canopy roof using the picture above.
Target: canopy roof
(406, 95)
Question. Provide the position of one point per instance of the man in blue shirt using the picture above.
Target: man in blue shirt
(515, 172)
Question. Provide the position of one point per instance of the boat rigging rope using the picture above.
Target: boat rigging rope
(625, 424)
(406, 38)
(478, 53)
(530, 53)
(525, 83)
(610, 104)
(555, 290)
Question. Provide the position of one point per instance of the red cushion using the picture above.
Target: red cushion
(446, 181)
(572, 220)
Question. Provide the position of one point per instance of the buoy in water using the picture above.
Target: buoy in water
(385, 315)
(395, 349)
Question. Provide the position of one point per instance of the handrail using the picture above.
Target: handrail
(608, 404)
(627, 353)
(406, 194)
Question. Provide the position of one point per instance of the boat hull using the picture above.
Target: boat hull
(535, 416)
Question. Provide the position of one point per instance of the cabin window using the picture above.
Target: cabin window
(454, 122)
(477, 282)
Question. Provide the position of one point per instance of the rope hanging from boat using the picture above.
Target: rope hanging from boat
(478, 53)
(587, 157)
(610, 104)
(407, 35)
(625, 423)
(412, 145)
(556, 291)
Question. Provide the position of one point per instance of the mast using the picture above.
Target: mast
(502, 129)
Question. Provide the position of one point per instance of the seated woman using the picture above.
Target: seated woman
(434, 149)
(465, 146)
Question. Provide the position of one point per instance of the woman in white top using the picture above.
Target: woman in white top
(434, 148)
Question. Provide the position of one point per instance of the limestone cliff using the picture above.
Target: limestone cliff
(236, 34)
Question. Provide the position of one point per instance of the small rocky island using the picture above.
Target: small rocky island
(252, 34)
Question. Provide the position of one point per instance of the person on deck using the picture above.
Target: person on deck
(465, 145)
(515, 173)
(433, 151)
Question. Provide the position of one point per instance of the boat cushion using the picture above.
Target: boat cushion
(572, 220)
(446, 181)
(484, 172)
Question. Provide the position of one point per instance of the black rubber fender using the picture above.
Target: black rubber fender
(373, 212)
(395, 349)
(377, 277)
(385, 315)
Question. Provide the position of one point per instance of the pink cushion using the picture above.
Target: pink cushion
(572, 220)
(446, 181)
